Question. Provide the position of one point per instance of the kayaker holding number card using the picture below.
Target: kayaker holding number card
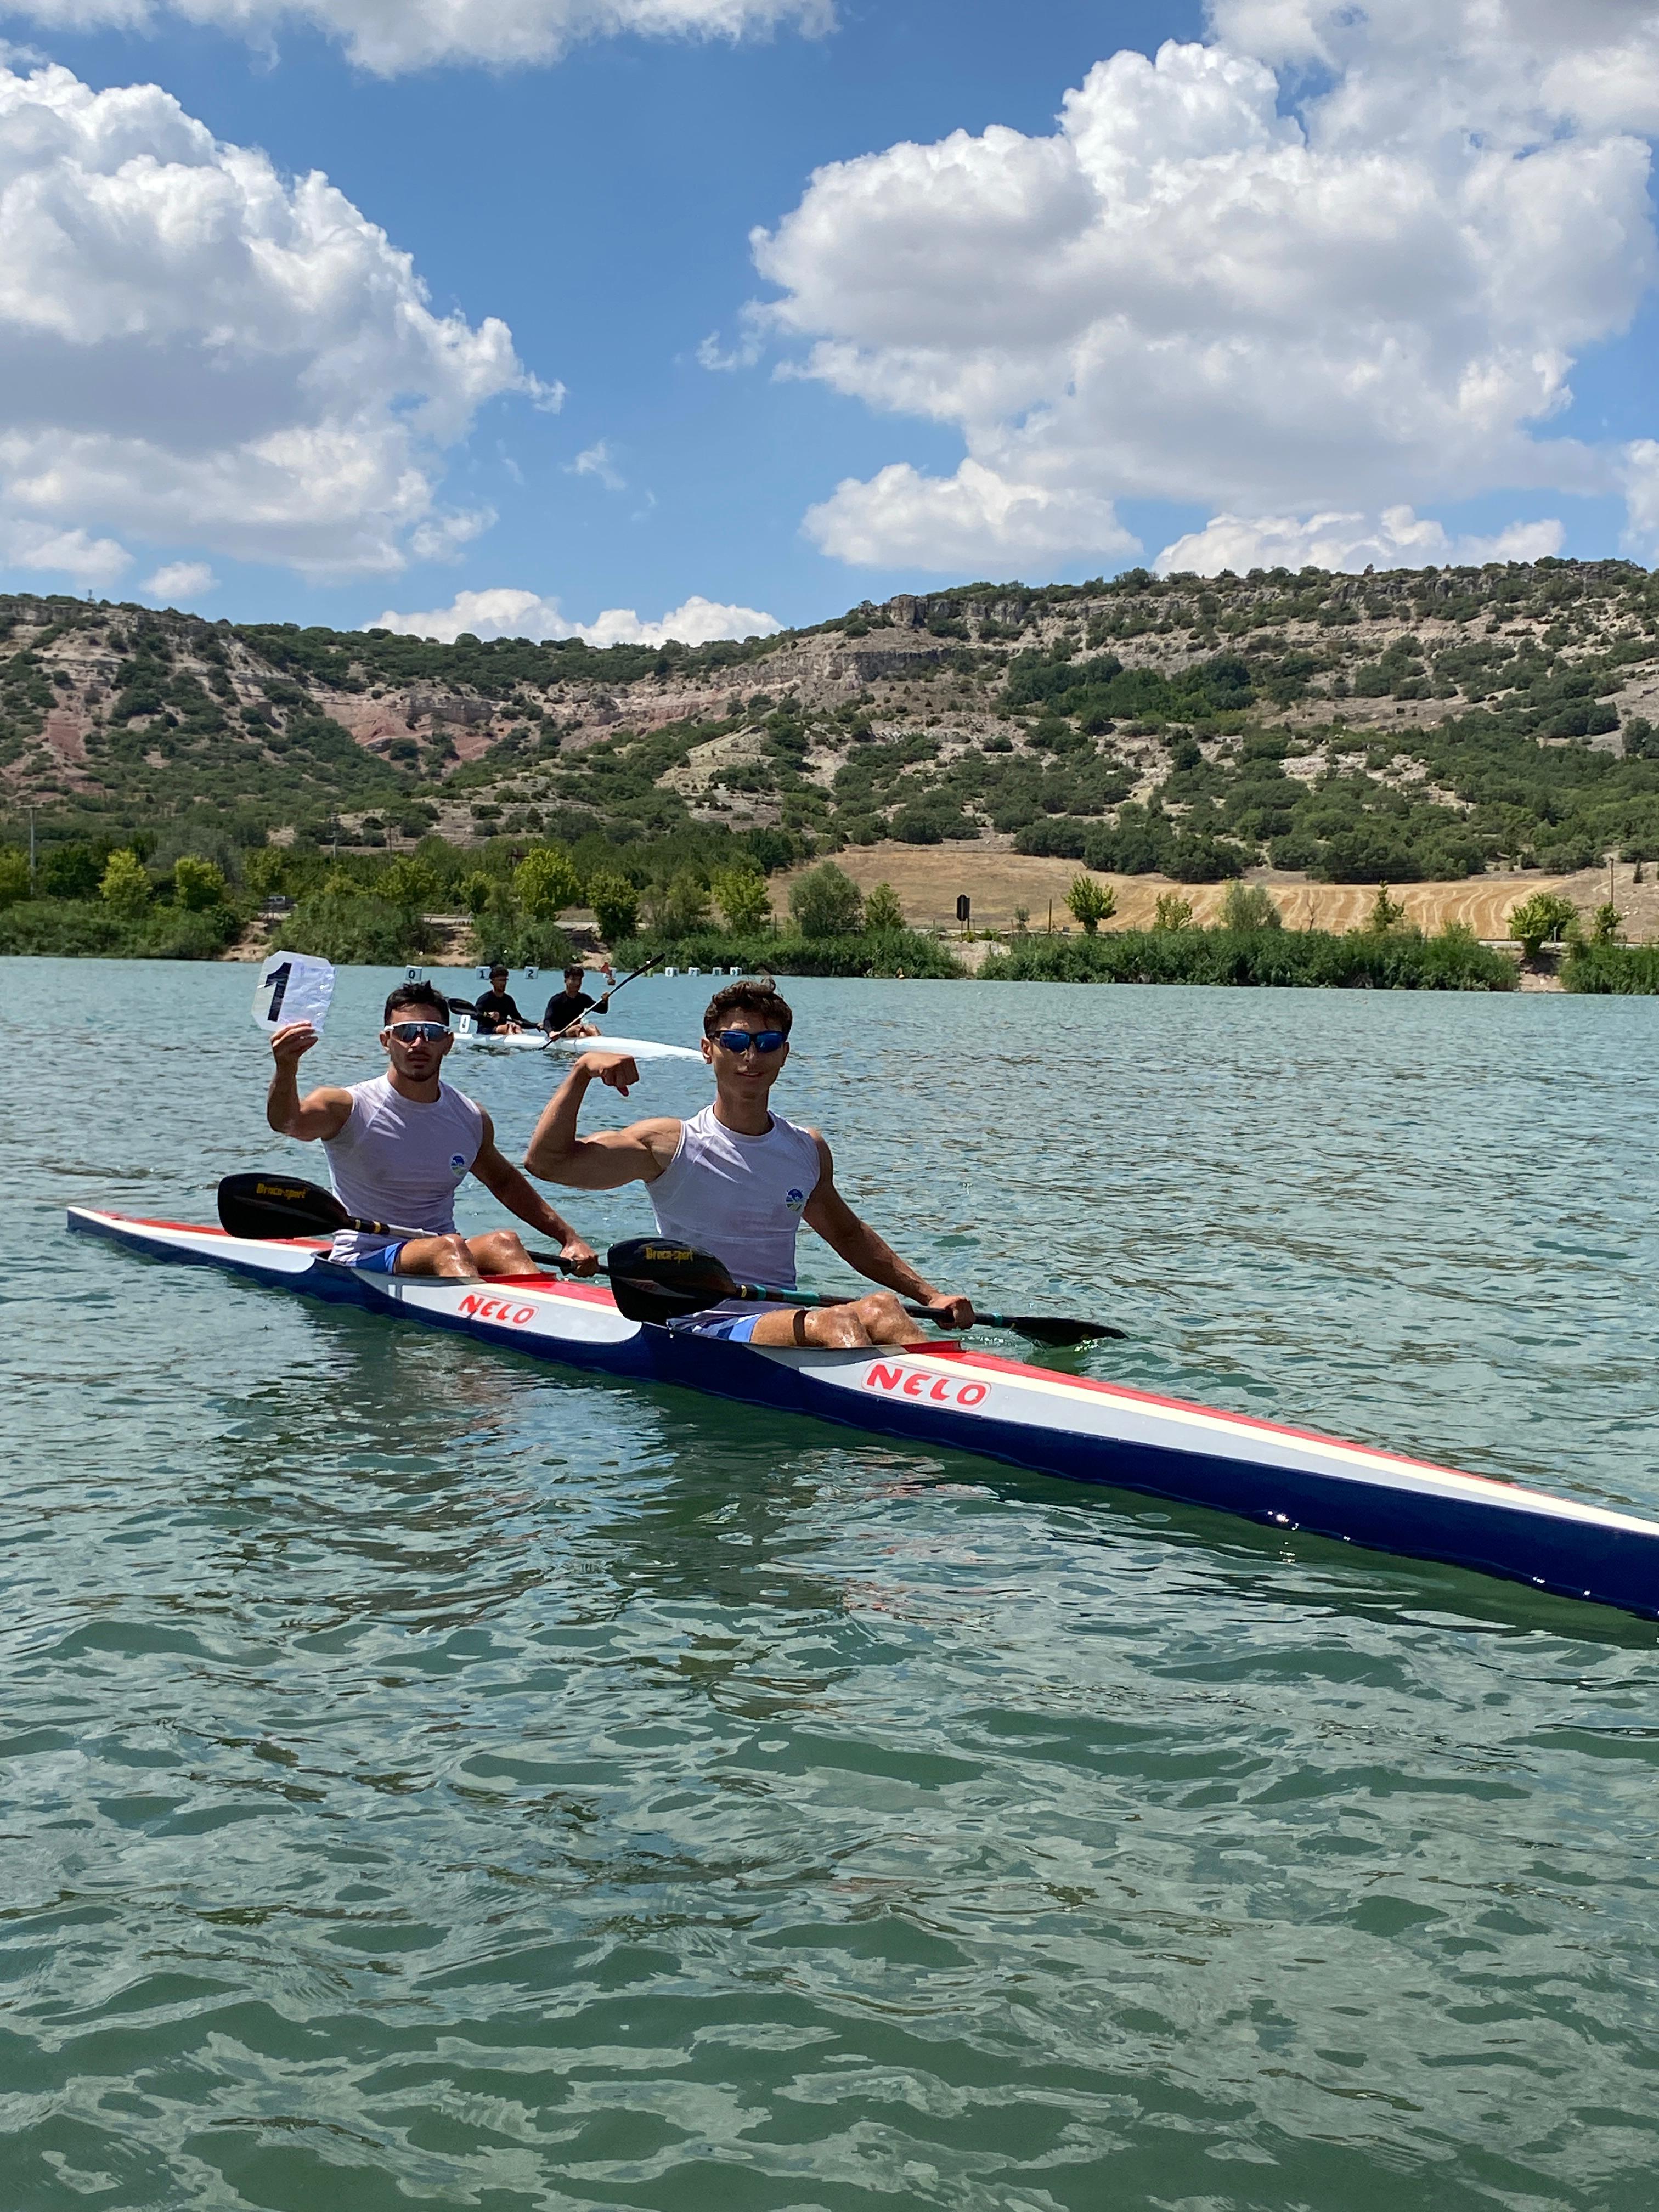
(738, 1181)
(400, 1146)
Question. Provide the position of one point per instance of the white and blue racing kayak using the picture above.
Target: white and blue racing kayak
(937, 1395)
(468, 1033)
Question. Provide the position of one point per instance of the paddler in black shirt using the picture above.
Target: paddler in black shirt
(567, 1011)
(495, 1010)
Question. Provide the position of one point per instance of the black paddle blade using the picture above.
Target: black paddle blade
(276, 1206)
(653, 1280)
(1051, 1328)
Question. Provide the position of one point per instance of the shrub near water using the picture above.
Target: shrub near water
(874, 952)
(1629, 971)
(71, 929)
(1454, 961)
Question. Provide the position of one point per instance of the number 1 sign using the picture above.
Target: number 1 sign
(293, 987)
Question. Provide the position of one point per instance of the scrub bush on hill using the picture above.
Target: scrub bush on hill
(1286, 958)
(13, 875)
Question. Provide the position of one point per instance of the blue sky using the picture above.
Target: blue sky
(600, 206)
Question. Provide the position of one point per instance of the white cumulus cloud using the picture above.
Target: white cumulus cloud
(901, 517)
(195, 350)
(36, 548)
(504, 612)
(180, 580)
(1360, 284)
(392, 35)
(1397, 538)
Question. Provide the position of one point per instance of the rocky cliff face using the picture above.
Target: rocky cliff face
(119, 715)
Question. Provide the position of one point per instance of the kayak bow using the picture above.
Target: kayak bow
(938, 1395)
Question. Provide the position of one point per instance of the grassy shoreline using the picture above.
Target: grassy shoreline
(371, 932)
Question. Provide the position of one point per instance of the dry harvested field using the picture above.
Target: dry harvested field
(929, 878)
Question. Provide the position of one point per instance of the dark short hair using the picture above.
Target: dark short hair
(756, 994)
(574, 968)
(500, 968)
(416, 994)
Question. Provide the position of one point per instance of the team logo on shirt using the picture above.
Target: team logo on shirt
(796, 1200)
(458, 1161)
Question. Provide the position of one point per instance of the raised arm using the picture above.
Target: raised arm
(518, 1195)
(857, 1242)
(319, 1113)
(609, 1157)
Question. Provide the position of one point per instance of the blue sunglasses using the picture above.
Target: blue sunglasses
(741, 1040)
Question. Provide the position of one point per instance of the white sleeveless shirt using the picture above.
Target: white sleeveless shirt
(740, 1198)
(397, 1159)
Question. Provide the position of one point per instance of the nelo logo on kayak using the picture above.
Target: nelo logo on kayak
(492, 1308)
(934, 1389)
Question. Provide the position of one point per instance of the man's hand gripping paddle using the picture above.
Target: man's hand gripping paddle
(651, 1280)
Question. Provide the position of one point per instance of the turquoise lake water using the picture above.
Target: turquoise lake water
(434, 1779)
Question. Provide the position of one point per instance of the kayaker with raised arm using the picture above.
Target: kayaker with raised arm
(399, 1147)
(738, 1181)
(567, 1010)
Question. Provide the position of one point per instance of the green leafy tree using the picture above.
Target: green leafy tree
(197, 884)
(124, 886)
(1091, 903)
(1173, 911)
(13, 875)
(265, 870)
(1545, 914)
(1249, 906)
(339, 884)
(826, 903)
(409, 882)
(679, 906)
(742, 897)
(616, 905)
(1021, 919)
(546, 882)
(477, 893)
(70, 872)
(882, 910)
(1386, 915)
(1605, 924)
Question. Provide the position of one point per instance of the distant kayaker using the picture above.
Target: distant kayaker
(399, 1147)
(495, 1011)
(567, 1010)
(737, 1180)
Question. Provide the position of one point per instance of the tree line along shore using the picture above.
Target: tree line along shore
(541, 909)
(164, 778)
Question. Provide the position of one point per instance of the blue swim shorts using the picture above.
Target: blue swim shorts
(383, 1261)
(733, 1320)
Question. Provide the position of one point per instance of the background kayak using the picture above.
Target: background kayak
(533, 1041)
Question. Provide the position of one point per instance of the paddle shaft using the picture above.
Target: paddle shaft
(1021, 1324)
(281, 1208)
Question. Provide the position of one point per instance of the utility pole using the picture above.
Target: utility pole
(31, 851)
